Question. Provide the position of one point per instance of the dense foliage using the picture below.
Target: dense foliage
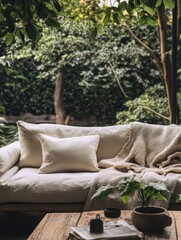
(144, 10)
(100, 74)
(24, 18)
(150, 107)
(154, 13)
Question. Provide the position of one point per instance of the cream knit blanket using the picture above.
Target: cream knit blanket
(149, 146)
(151, 152)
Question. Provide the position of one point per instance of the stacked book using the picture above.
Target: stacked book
(119, 231)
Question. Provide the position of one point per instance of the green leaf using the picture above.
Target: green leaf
(106, 18)
(160, 197)
(128, 8)
(175, 198)
(103, 191)
(7, 70)
(52, 23)
(160, 186)
(123, 6)
(51, 13)
(49, 5)
(31, 31)
(149, 10)
(42, 11)
(21, 36)
(116, 17)
(94, 33)
(57, 5)
(9, 38)
(99, 29)
(169, 3)
(158, 3)
(125, 198)
(28, 14)
(11, 25)
(3, 33)
(150, 21)
(131, 4)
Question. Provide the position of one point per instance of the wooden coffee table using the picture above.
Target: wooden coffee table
(57, 225)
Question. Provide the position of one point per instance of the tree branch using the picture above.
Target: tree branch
(164, 51)
(151, 52)
(117, 79)
(156, 113)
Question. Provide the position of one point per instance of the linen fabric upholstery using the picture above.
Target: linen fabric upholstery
(112, 139)
(8, 174)
(9, 155)
(76, 154)
(27, 186)
(31, 154)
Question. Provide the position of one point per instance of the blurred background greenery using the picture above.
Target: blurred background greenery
(108, 77)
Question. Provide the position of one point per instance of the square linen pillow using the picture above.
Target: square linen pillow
(31, 154)
(69, 154)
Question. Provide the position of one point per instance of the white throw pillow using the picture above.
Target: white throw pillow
(74, 154)
(9, 155)
(112, 139)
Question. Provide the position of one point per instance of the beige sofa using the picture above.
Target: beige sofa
(52, 167)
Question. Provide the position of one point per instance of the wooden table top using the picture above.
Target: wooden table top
(56, 226)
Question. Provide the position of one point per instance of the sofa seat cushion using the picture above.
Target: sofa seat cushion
(30, 187)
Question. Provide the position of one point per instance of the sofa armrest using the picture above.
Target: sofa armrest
(9, 155)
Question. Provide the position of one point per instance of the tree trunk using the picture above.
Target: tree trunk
(58, 97)
(179, 18)
(179, 31)
(165, 53)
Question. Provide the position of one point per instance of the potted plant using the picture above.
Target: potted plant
(145, 217)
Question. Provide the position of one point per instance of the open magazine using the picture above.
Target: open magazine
(121, 231)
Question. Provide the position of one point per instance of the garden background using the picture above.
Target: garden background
(107, 77)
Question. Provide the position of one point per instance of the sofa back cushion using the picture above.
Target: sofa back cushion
(74, 154)
(112, 139)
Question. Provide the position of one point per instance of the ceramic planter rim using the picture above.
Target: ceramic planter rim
(148, 213)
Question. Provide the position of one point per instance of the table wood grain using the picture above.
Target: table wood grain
(56, 226)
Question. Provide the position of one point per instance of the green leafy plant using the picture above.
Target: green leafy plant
(145, 192)
(8, 134)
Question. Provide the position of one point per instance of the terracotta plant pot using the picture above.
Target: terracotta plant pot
(151, 219)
